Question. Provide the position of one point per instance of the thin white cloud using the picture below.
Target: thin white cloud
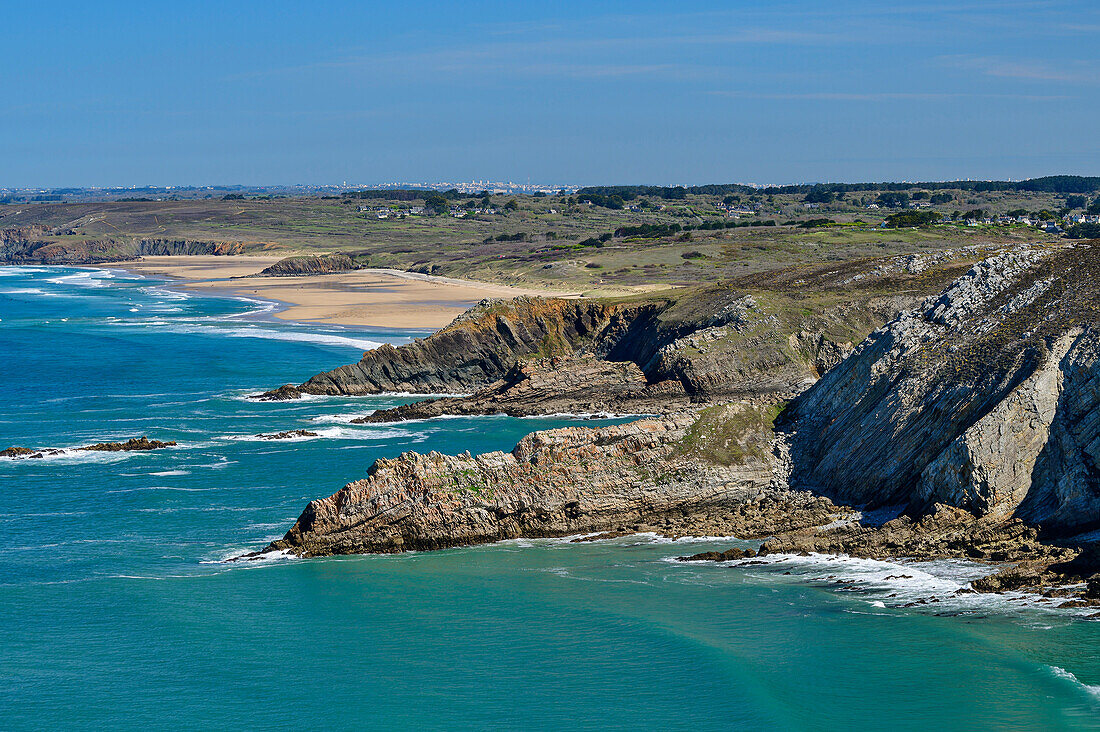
(1081, 72)
(883, 96)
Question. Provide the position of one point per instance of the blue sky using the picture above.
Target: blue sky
(587, 92)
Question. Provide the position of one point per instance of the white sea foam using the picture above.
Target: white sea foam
(32, 291)
(235, 556)
(163, 473)
(940, 586)
(1093, 690)
(70, 455)
(86, 278)
(17, 271)
(263, 307)
(345, 418)
(166, 294)
(254, 331)
(330, 433)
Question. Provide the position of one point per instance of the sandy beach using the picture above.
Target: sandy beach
(366, 297)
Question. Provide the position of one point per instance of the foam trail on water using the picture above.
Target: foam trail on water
(1093, 690)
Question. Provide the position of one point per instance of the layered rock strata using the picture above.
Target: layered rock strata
(660, 474)
(984, 398)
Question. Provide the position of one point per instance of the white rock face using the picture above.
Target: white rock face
(988, 468)
(986, 397)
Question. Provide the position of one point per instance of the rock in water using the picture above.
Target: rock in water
(727, 556)
(287, 435)
(134, 443)
(286, 392)
(13, 452)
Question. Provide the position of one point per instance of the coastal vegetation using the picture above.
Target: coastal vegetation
(548, 241)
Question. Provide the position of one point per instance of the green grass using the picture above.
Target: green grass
(731, 434)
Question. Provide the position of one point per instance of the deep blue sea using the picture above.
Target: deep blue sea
(117, 610)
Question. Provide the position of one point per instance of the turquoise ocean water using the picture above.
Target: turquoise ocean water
(118, 612)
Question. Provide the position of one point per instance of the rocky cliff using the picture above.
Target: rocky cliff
(309, 265)
(43, 245)
(757, 335)
(481, 345)
(983, 398)
(669, 474)
(973, 415)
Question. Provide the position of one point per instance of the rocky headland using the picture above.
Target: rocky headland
(785, 411)
(38, 244)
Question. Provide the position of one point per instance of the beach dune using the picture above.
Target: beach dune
(365, 297)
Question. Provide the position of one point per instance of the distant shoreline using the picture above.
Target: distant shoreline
(366, 297)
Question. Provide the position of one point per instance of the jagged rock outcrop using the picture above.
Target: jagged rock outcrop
(561, 385)
(134, 443)
(705, 345)
(309, 265)
(1024, 561)
(661, 474)
(188, 247)
(481, 345)
(286, 392)
(984, 398)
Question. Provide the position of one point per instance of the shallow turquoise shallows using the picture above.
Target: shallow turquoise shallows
(117, 610)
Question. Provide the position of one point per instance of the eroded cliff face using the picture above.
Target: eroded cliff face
(43, 245)
(983, 398)
(715, 342)
(661, 474)
(481, 345)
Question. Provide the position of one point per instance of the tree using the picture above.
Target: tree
(1073, 202)
(1094, 207)
(819, 195)
(511, 205)
(906, 219)
(1084, 231)
(436, 203)
(893, 199)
